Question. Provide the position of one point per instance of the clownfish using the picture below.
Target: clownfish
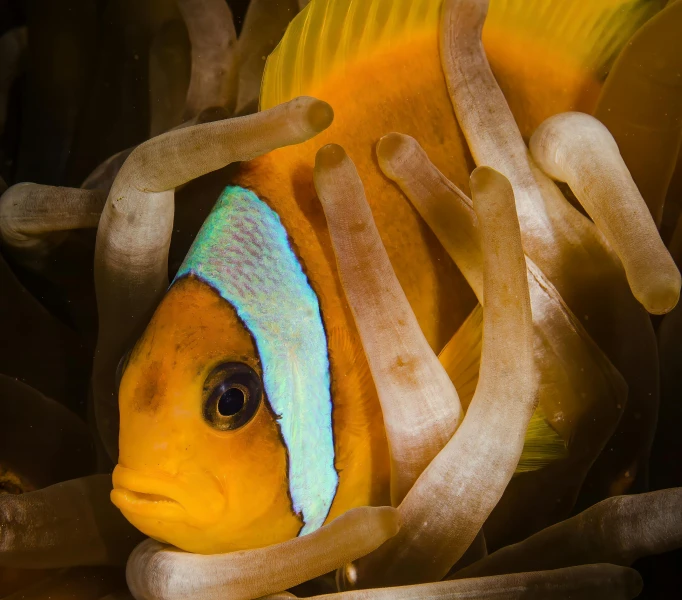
(248, 414)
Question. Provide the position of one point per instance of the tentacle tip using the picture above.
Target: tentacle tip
(483, 176)
(393, 148)
(657, 287)
(393, 144)
(391, 518)
(634, 583)
(661, 300)
(346, 577)
(319, 115)
(329, 156)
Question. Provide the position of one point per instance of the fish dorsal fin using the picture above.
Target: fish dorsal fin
(461, 359)
(327, 35)
(591, 32)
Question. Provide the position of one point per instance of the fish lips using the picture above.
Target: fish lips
(191, 498)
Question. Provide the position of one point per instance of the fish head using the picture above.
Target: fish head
(202, 465)
(225, 438)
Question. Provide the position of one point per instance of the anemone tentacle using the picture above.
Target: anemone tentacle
(447, 506)
(68, 524)
(578, 149)
(213, 38)
(618, 530)
(158, 572)
(29, 213)
(401, 361)
(133, 236)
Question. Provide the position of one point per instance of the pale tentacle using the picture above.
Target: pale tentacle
(30, 213)
(618, 530)
(420, 405)
(482, 111)
(450, 215)
(133, 237)
(102, 178)
(641, 105)
(567, 247)
(445, 208)
(582, 395)
(555, 235)
(159, 165)
(590, 582)
(495, 140)
(69, 524)
(578, 149)
(160, 572)
(213, 81)
(264, 25)
(451, 500)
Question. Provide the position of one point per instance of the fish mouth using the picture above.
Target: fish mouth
(144, 498)
(163, 497)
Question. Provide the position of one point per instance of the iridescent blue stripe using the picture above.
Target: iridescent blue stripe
(243, 251)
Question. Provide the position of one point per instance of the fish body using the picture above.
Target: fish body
(248, 412)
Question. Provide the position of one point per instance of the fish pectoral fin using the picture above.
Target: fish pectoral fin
(461, 359)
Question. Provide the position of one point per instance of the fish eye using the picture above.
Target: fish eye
(232, 395)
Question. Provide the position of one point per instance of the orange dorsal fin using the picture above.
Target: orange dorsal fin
(327, 35)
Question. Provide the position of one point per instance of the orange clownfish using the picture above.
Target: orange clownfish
(248, 412)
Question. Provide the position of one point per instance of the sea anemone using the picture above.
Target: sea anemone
(527, 253)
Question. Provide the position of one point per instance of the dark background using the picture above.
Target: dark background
(84, 92)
